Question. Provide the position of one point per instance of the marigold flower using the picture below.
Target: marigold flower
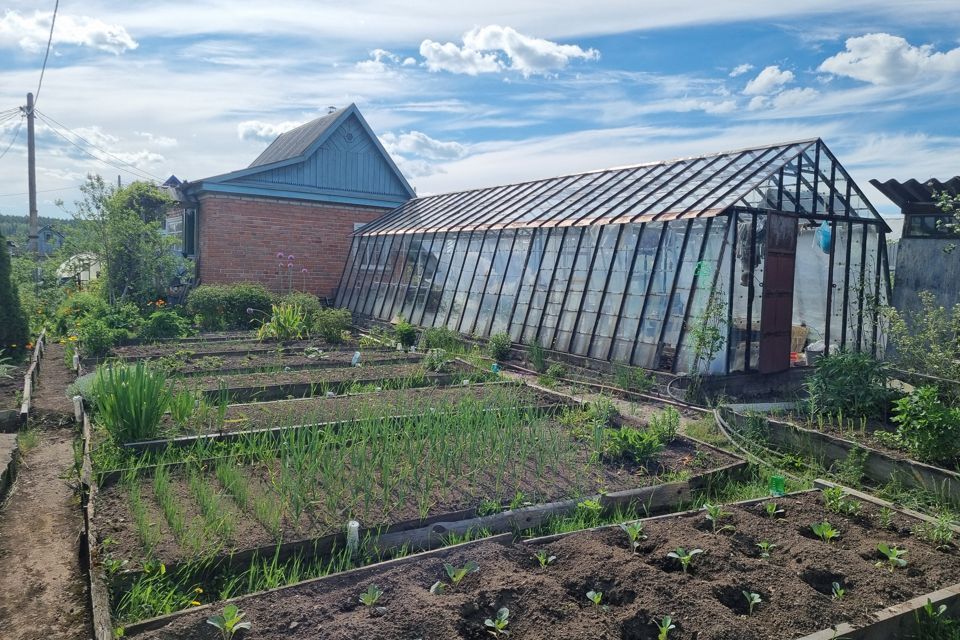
(198, 590)
(195, 603)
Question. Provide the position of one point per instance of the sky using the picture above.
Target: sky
(475, 94)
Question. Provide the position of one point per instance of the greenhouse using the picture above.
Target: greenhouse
(739, 261)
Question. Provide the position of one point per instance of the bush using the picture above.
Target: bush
(853, 384)
(538, 357)
(130, 400)
(225, 306)
(163, 325)
(440, 338)
(927, 428)
(309, 303)
(499, 346)
(76, 308)
(14, 329)
(125, 319)
(331, 324)
(404, 332)
(97, 338)
(632, 379)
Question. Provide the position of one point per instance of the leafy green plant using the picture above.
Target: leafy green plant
(938, 533)
(97, 338)
(635, 534)
(538, 357)
(933, 623)
(893, 555)
(715, 513)
(225, 306)
(665, 423)
(773, 510)
(498, 625)
(162, 325)
(835, 499)
(638, 444)
(499, 346)
(6, 366)
(753, 599)
(436, 360)
(854, 384)
(287, 322)
(928, 428)
(595, 597)
(765, 548)
(837, 592)
(684, 557)
(664, 627)
(925, 337)
(130, 400)
(229, 622)
(825, 531)
(632, 379)
(333, 325)
(544, 559)
(369, 597)
(457, 574)
(404, 332)
(886, 517)
(441, 338)
(589, 511)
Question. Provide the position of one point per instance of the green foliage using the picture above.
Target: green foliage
(97, 338)
(130, 400)
(222, 307)
(635, 534)
(589, 511)
(498, 625)
(330, 324)
(927, 339)
(926, 427)
(708, 335)
(825, 531)
(633, 379)
(441, 338)
(765, 548)
(595, 597)
(714, 515)
(369, 597)
(229, 622)
(933, 623)
(553, 375)
(308, 303)
(893, 556)
(75, 308)
(753, 599)
(853, 384)
(544, 559)
(287, 322)
(457, 574)
(938, 533)
(664, 627)
(538, 357)
(6, 366)
(163, 325)
(499, 346)
(684, 557)
(404, 332)
(14, 328)
(637, 444)
(836, 500)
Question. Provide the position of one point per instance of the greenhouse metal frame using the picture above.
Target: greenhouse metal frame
(767, 249)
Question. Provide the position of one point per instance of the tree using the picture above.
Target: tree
(14, 330)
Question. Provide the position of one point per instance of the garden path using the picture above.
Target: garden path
(42, 592)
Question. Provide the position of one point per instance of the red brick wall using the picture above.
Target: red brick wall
(241, 236)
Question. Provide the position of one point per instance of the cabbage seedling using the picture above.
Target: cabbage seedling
(229, 622)
(837, 592)
(664, 627)
(893, 555)
(772, 510)
(457, 574)
(498, 626)
(544, 558)
(753, 599)
(634, 531)
(683, 556)
(595, 597)
(825, 531)
(714, 513)
(371, 595)
(765, 548)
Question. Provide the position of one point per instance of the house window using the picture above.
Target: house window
(929, 226)
(189, 232)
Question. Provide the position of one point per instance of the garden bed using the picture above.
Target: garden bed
(795, 584)
(220, 348)
(288, 359)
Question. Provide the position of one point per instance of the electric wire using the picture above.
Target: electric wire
(46, 55)
(16, 134)
(25, 193)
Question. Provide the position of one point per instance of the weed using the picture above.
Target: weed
(499, 346)
(886, 517)
(538, 357)
(938, 533)
(835, 500)
(589, 512)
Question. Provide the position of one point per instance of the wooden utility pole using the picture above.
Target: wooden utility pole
(32, 238)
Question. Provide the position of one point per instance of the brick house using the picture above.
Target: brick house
(303, 197)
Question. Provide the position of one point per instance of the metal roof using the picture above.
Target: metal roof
(913, 191)
(703, 186)
(294, 143)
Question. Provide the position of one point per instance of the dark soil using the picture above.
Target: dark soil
(286, 360)
(577, 477)
(260, 415)
(11, 389)
(551, 604)
(196, 349)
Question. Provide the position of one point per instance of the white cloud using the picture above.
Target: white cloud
(884, 59)
(409, 62)
(263, 131)
(768, 81)
(492, 48)
(794, 97)
(380, 61)
(417, 143)
(30, 32)
(758, 102)
(741, 69)
(163, 142)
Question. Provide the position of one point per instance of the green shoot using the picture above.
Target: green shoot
(371, 595)
(772, 510)
(498, 626)
(753, 599)
(634, 531)
(595, 597)
(825, 531)
(886, 517)
(837, 591)
(765, 548)
(714, 514)
(664, 627)
(544, 558)
(229, 622)
(684, 557)
(894, 556)
(457, 574)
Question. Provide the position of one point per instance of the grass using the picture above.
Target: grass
(28, 439)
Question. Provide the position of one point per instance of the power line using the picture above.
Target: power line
(136, 171)
(26, 193)
(16, 134)
(46, 55)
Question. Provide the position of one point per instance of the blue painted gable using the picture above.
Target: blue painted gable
(334, 159)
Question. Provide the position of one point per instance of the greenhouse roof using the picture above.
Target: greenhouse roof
(699, 187)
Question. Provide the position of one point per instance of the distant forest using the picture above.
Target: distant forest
(16, 227)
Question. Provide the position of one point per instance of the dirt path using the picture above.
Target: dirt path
(42, 593)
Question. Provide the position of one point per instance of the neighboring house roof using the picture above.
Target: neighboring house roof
(703, 186)
(912, 191)
(336, 158)
(172, 181)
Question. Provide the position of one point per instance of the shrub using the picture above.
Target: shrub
(331, 324)
(287, 322)
(125, 319)
(130, 400)
(440, 338)
(632, 379)
(404, 332)
(97, 337)
(309, 303)
(499, 346)
(853, 384)
(925, 339)
(926, 427)
(225, 306)
(14, 329)
(538, 357)
(164, 324)
(76, 308)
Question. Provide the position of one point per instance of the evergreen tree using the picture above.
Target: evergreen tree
(14, 329)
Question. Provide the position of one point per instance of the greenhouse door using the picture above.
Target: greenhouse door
(776, 314)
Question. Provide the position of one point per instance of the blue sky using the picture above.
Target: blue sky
(466, 95)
